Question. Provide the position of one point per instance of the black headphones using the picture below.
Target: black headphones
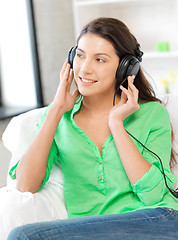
(128, 66)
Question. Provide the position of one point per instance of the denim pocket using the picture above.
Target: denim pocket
(164, 213)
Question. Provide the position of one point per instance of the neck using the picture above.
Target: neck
(98, 106)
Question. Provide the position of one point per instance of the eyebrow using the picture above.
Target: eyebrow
(96, 54)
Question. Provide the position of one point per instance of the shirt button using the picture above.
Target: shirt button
(172, 178)
(100, 162)
(100, 178)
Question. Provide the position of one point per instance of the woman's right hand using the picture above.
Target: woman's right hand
(64, 100)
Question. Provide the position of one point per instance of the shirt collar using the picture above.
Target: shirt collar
(76, 106)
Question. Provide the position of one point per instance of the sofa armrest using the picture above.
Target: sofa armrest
(17, 137)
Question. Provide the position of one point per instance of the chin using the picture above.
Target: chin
(85, 92)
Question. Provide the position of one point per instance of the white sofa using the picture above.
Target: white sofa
(18, 208)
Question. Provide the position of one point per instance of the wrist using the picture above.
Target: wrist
(55, 112)
(116, 124)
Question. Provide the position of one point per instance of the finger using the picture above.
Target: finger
(71, 75)
(123, 96)
(66, 73)
(130, 82)
(64, 78)
(127, 92)
(135, 93)
(124, 90)
(64, 66)
(134, 90)
(123, 99)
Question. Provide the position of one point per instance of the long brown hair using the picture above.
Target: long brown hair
(124, 43)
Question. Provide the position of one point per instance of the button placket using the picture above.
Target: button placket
(100, 171)
(101, 176)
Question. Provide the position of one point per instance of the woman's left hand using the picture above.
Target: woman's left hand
(127, 105)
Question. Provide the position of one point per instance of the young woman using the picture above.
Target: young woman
(114, 187)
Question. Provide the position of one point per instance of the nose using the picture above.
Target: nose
(86, 66)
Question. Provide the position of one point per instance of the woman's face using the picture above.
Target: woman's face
(95, 66)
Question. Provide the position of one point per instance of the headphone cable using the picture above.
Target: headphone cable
(173, 192)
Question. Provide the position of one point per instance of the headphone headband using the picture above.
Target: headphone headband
(139, 53)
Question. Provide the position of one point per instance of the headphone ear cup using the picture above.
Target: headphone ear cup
(122, 68)
(128, 66)
(133, 67)
(71, 56)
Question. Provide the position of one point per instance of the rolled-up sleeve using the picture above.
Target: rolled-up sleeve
(12, 170)
(53, 155)
(151, 187)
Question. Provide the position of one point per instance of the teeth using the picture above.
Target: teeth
(87, 81)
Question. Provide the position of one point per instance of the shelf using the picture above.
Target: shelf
(149, 55)
(96, 2)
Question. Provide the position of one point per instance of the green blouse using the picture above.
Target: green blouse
(95, 184)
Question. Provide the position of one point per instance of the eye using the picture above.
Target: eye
(79, 55)
(100, 60)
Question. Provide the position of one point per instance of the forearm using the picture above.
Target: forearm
(133, 162)
(31, 169)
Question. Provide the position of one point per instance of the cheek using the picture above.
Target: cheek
(76, 67)
(75, 70)
(110, 73)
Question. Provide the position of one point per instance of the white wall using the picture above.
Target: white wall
(55, 37)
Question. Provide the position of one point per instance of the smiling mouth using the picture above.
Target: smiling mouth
(86, 80)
